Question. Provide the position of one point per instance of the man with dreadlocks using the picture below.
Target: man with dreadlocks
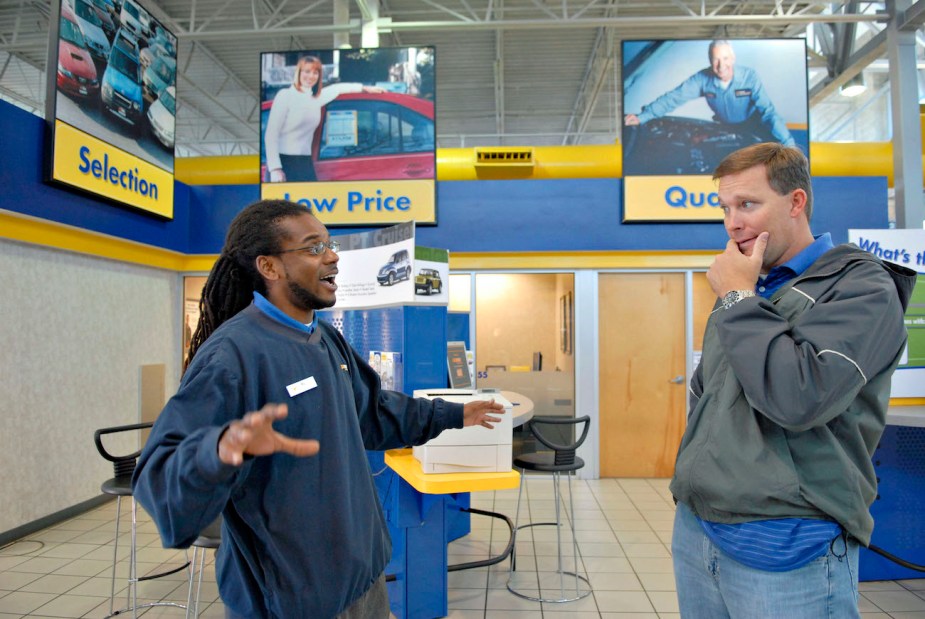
(267, 384)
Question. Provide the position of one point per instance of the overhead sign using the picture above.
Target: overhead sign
(689, 103)
(350, 133)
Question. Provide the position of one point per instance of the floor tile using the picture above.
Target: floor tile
(623, 530)
(24, 602)
(54, 583)
(68, 606)
(623, 601)
(891, 601)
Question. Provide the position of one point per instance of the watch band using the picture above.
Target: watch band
(734, 296)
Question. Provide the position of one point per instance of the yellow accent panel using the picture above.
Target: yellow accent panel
(592, 161)
(232, 170)
(907, 401)
(90, 164)
(40, 232)
(362, 202)
(461, 261)
(670, 198)
(402, 462)
(852, 159)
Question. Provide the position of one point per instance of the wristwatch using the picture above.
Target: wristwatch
(734, 296)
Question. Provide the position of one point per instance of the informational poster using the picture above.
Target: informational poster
(458, 365)
(389, 368)
(384, 267)
(689, 103)
(905, 247)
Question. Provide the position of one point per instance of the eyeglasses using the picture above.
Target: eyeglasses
(315, 249)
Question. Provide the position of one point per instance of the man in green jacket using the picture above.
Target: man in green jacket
(774, 478)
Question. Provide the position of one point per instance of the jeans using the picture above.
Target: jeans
(713, 585)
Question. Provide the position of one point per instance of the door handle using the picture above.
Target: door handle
(677, 380)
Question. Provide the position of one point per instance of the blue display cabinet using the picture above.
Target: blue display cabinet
(420, 525)
(899, 527)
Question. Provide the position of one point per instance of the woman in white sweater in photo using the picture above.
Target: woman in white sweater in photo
(295, 115)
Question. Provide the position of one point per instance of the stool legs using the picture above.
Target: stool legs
(115, 558)
(579, 591)
(197, 566)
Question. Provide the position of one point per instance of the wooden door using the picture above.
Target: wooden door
(643, 387)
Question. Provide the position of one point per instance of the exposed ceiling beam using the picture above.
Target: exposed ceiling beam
(624, 24)
(870, 51)
(913, 17)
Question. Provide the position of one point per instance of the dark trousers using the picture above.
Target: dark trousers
(298, 168)
(374, 604)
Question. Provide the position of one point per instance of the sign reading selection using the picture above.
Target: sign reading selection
(95, 166)
(350, 133)
(688, 104)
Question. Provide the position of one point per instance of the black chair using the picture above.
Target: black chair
(121, 486)
(209, 539)
(561, 459)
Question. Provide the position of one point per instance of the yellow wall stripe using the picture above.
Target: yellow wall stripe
(588, 161)
(582, 260)
(26, 229)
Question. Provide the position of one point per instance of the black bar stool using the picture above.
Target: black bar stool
(120, 485)
(561, 459)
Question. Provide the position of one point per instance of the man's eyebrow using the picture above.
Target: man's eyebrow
(310, 237)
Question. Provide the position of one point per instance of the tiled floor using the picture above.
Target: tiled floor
(623, 531)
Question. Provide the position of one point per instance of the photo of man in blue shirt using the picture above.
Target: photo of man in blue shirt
(735, 95)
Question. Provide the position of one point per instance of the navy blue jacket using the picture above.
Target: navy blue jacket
(301, 536)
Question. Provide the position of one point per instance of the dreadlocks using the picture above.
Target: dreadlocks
(233, 280)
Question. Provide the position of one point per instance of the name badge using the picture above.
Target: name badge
(306, 384)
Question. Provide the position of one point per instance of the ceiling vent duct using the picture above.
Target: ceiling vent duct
(501, 156)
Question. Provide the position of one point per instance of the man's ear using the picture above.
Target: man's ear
(268, 267)
(797, 202)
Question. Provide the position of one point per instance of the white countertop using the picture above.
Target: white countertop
(913, 416)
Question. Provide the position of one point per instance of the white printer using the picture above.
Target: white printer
(475, 449)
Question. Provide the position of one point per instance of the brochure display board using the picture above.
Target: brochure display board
(350, 133)
(111, 107)
(384, 267)
(689, 103)
(899, 460)
(905, 247)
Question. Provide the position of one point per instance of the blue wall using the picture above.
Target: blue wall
(488, 216)
(22, 190)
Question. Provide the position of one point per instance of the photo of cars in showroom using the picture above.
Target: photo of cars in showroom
(92, 29)
(121, 87)
(393, 140)
(77, 74)
(397, 268)
(428, 281)
(162, 116)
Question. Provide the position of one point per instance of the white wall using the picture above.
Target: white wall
(74, 331)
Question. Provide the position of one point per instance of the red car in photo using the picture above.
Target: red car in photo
(371, 136)
(76, 72)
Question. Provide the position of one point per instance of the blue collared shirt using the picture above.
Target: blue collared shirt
(780, 275)
(280, 316)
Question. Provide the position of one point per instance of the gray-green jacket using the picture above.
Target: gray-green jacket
(790, 396)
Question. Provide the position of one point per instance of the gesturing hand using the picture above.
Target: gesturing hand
(733, 270)
(254, 435)
(479, 413)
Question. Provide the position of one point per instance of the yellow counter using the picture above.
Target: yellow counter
(403, 462)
